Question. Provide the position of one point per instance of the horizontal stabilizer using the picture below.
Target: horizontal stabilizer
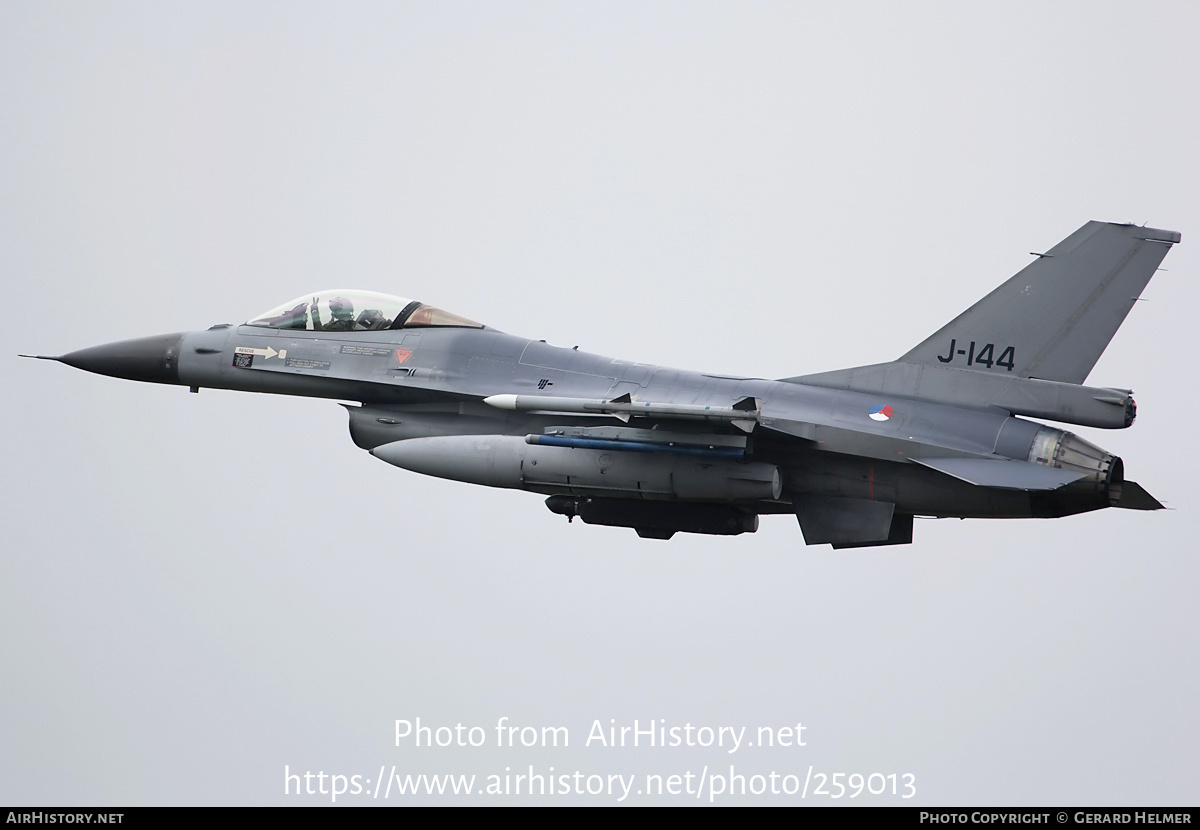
(1067, 402)
(1135, 497)
(1005, 474)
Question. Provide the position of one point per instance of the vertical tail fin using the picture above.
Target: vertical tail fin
(1055, 318)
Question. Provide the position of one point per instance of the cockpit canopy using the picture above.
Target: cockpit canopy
(354, 310)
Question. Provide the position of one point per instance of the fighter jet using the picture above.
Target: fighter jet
(855, 454)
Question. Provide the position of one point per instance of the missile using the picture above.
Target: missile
(634, 446)
(743, 414)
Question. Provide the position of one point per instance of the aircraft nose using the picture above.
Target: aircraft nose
(150, 359)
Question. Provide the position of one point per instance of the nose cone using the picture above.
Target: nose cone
(150, 359)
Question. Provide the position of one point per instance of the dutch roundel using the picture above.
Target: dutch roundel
(881, 413)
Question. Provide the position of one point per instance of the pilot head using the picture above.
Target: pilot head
(341, 309)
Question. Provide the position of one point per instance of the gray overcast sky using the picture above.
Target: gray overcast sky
(198, 590)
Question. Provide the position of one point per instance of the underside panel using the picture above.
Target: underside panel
(900, 534)
(845, 522)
